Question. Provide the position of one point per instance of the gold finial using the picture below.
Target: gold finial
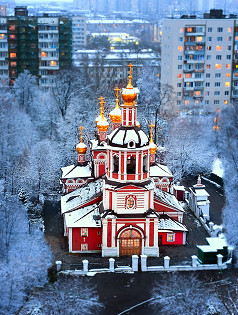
(101, 108)
(151, 132)
(81, 137)
(117, 99)
(129, 85)
(101, 98)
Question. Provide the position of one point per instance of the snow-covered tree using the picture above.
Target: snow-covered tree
(228, 145)
(153, 96)
(69, 295)
(25, 256)
(185, 294)
(190, 146)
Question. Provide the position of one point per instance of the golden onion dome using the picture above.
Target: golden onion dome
(129, 94)
(153, 147)
(115, 114)
(102, 124)
(137, 124)
(81, 148)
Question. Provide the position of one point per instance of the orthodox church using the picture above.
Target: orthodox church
(120, 202)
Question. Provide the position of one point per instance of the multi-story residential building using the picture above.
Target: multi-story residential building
(43, 45)
(199, 59)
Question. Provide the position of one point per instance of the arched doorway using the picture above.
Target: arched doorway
(130, 243)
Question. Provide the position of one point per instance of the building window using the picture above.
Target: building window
(227, 84)
(228, 66)
(12, 36)
(208, 75)
(179, 76)
(220, 29)
(228, 47)
(179, 84)
(229, 38)
(180, 39)
(218, 57)
(84, 247)
(209, 39)
(115, 164)
(216, 93)
(207, 102)
(209, 57)
(209, 29)
(131, 165)
(227, 75)
(218, 48)
(188, 75)
(180, 48)
(145, 164)
(13, 55)
(170, 237)
(226, 102)
(217, 75)
(180, 57)
(43, 54)
(13, 64)
(207, 84)
(229, 29)
(53, 63)
(2, 36)
(218, 65)
(180, 67)
(219, 39)
(84, 232)
(186, 102)
(226, 92)
(217, 84)
(207, 93)
(209, 47)
(197, 93)
(181, 30)
(208, 66)
(199, 39)
(228, 56)
(179, 93)
(216, 102)
(12, 27)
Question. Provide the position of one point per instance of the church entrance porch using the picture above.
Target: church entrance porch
(130, 243)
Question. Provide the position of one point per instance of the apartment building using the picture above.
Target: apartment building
(200, 60)
(43, 45)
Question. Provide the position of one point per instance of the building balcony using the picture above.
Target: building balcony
(48, 67)
(188, 70)
(48, 58)
(235, 87)
(48, 32)
(194, 61)
(5, 67)
(195, 34)
(188, 88)
(48, 40)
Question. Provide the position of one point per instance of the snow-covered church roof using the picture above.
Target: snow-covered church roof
(84, 217)
(81, 196)
(76, 171)
(159, 170)
(123, 136)
(167, 198)
(168, 224)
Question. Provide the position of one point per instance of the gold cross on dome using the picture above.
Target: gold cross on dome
(130, 66)
(117, 91)
(81, 133)
(101, 98)
(151, 131)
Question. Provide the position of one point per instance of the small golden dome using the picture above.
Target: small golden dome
(153, 147)
(115, 114)
(137, 124)
(81, 148)
(129, 94)
(102, 125)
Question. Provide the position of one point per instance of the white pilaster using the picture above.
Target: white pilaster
(113, 232)
(147, 232)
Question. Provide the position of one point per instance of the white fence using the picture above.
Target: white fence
(145, 268)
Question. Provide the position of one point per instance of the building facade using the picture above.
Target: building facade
(199, 59)
(122, 204)
(42, 45)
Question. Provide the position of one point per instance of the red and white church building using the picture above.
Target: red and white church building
(120, 203)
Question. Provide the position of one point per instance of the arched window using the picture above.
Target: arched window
(131, 165)
(115, 164)
(145, 164)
